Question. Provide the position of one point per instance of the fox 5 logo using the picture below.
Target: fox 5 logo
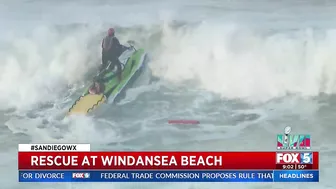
(294, 158)
(80, 175)
(306, 158)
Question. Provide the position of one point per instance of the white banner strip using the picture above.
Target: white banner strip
(54, 147)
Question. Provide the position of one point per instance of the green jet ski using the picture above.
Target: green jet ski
(110, 86)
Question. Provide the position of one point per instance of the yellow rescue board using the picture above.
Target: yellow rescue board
(86, 103)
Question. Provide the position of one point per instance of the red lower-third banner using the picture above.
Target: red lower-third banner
(168, 160)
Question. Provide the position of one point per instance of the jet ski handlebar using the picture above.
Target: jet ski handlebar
(131, 43)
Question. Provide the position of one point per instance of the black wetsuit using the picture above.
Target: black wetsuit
(111, 50)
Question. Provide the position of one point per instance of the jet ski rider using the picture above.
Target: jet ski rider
(111, 50)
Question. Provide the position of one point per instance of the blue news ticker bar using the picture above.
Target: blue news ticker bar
(170, 176)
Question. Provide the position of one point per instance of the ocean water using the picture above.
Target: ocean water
(245, 69)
